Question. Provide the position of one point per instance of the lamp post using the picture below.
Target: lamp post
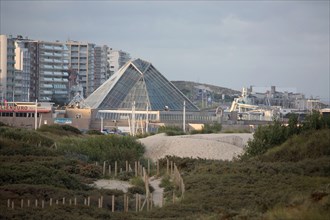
(184, 116)
(35, 116)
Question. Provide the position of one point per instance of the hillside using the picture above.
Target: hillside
(290, 181)
(211, 94)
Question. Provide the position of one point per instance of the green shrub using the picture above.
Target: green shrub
(94, 132)
(60, 129)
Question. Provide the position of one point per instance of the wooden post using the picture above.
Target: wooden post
(56, 201)
(167, 166)
(103, 168)
(85, 201)
(120, 170)
(151, 202)
(135, 169)
(96, 163)
(109, 170)
(28, 202)
(63, 200)
(75, 200)
(101, 201)
(171, 168)
(115, 168)
(88, 201)
(70, 202)
(36, 203)
(50, 201)
(113, 203)
(139, 202)
(22, 203)
(148, 171)
(124, 202)
(42, 204)
(8, 203)
(126, 166)
(12, 205)
(139, 168)
(157, 167)
(136, 202)
(127, 203)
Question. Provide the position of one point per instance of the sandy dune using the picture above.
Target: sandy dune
(208, 146)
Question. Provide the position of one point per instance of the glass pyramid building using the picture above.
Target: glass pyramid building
(140, 82)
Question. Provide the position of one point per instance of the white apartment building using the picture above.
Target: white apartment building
(7, 69)
(81, 63)
(53, 65)
(23, 70)
(116, 59)
(100, 66)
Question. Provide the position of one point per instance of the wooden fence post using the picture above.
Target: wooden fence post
(88, 201)
(8, 203)
(113, 203)
(126, 166)
(42, 204)
(50, 201)
(63, 201)
(13, 205)
(157, 167)
(151, 202)
(70, 202)
(115, 168)
(103, 168)
(167, 166)
(135, 169)
(36, 203)
(109, 170)
(136, 202)
(75, 201)
(22, 203)
(56, 201)
(28, 203)
(139, 202)
(101, 202)
(148, 167)
(171, 168)
(85, 201)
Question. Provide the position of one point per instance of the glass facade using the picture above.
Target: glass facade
(140, 82)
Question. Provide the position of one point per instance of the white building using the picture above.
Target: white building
(81, 62)
(117, 59)
(100, 66)
(7, 68)
(23, 70)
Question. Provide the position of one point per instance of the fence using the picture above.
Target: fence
(119, 203)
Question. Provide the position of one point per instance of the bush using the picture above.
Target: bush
(94, 132)
(171, 130)
(60, 129)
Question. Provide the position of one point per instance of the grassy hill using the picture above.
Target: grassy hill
(289, 181)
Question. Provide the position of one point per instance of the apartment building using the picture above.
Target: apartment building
(117, 59)
(7, 68)
(22, 71)
(81, 62)
(52, 71)
(101, 70)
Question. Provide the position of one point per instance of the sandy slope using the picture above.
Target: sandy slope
(208, 146)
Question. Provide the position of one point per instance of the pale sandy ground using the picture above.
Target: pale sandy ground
(206, 146)
(112, 184)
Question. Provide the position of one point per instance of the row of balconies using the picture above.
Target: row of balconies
(47, 79)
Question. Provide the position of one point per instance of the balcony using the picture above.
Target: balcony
(46, 86)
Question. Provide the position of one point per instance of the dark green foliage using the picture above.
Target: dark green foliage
(312, 144)
(23, 137)
(103, 148)
(2, 124)
(94, 132)
(171, 130)
(60, 129)
(267, 137)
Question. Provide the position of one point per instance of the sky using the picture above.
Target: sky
(233, 44)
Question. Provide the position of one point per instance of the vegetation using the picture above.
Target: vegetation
(285, 174)
(171, 130)
(208, 129)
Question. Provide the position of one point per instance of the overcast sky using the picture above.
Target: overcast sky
(233, 44)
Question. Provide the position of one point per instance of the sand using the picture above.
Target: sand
(206, 146)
